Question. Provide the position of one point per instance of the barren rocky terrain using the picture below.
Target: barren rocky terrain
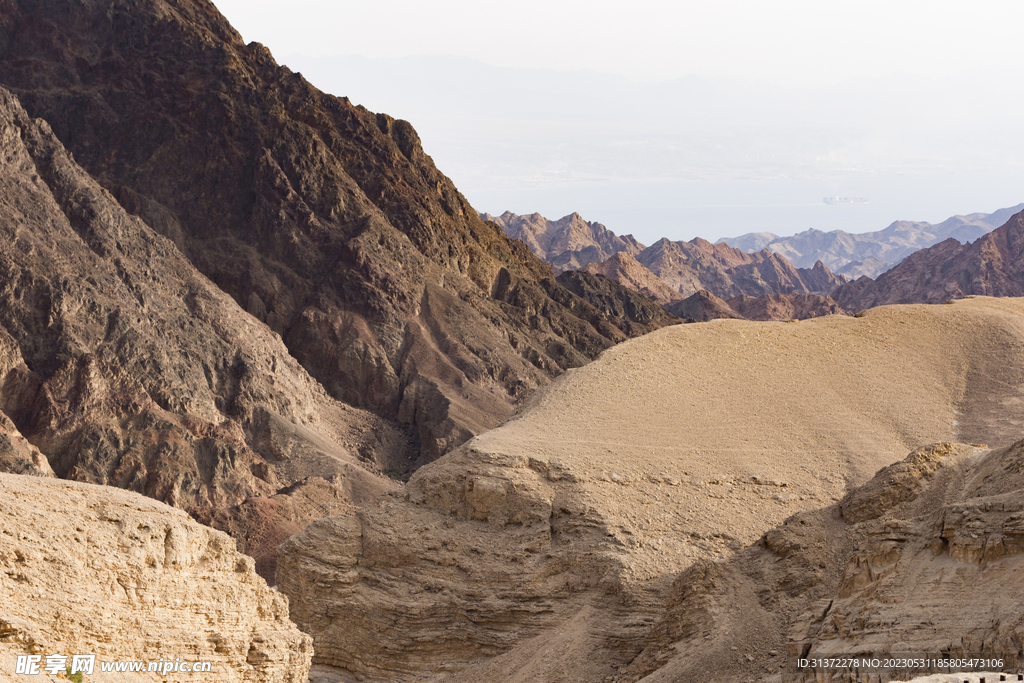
(230, 302)
(122, 365)
(993, 265)
(547, 549)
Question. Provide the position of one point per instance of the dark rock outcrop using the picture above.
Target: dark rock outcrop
(617, 301)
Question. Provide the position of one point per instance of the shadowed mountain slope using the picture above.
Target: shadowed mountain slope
(123, 365)
(325, 221)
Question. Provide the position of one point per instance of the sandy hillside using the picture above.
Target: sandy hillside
(753, 419)
(553, 540)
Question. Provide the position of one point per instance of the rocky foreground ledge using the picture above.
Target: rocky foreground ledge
(90, 569)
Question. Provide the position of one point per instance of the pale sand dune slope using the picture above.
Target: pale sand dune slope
(554, 538)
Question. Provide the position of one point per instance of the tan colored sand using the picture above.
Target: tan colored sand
(716, 431)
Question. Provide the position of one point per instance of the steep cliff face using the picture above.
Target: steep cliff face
(325, 221)
(121, 364)
(992, 265)
(92, 570)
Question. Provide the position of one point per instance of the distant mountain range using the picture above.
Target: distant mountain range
(763, 276)
(569, 243)
(992, 265)
(870, 253)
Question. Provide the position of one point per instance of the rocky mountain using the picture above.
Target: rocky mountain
(639, 315)
(687, 267)
(93, 570)
(701, 307)
(690, 279)
(570, 243)
(993, 265)
(750, 242)
(871, 253)
(324, 221)
(584, 537)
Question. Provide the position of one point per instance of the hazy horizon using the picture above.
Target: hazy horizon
(688, 146)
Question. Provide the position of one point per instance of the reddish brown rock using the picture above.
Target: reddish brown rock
(701, 307)
(687, 267)
(626, 270)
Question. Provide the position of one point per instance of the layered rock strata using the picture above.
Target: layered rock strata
(89, 569)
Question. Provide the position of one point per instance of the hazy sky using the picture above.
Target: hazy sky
(789, 41)
(911, 104)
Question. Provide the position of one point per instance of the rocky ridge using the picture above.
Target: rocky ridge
(626, 270)
(871, 253)
(547, 549)
(669, 272)
(325, 221)
(687, 267)
(87, 569)
(918, 560)
(785, 307)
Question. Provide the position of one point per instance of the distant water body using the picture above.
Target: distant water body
(682, 210)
